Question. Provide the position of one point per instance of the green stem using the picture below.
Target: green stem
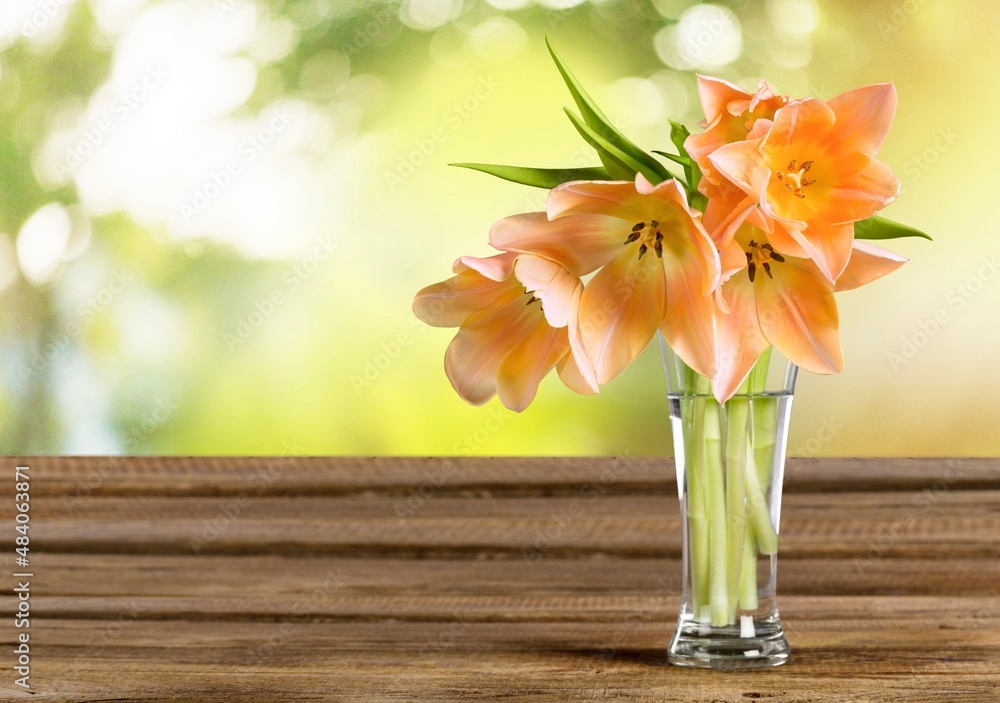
(748, 572)
(697, 514)
(736, 507)
(760, 516)
(717, 528)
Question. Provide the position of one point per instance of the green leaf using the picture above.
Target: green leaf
(625, 165)
(881, 228)
(547, 178)
(678, 134)
(602, 126)
(684, 161)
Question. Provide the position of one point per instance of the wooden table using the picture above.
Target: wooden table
(507, 579)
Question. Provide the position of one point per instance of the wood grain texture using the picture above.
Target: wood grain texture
(358, 579)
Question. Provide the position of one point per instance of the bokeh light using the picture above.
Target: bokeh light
(223, 210)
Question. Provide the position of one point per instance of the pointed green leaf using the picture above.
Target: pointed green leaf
(547, 178)
(602, 126)
(881, 228)
(606, 148)
(682, 160)
(679, 133)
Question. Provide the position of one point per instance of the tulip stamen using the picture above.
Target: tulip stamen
(795, 179)
(649, 237)
(761, 256)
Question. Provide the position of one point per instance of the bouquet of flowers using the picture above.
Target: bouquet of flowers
(734, 244)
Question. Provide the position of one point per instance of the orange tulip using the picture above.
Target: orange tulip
(730, 115)
(656, 267)
(514, 316)
(788, 302)
(813, 174)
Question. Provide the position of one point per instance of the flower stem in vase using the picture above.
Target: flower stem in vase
(718, 529)
(736, 508)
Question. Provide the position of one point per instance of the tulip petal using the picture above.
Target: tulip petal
(797, 127)
(716, 94)
(620, 311)
(582, 243)
(552, 284)
(863, 118)
(829, 246)
(524, 366)
(474, 355)
(577, 349)
(498, 267)
(798, 315)
(450, 302)
(868, 262)
(688, 323)
(573, 376)
(859, 195)
(739, 161)
(615, 198)
(740, 339)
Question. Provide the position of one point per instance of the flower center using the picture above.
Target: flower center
(795, 179)
(761, 255)
(649, 237)
(532, 298)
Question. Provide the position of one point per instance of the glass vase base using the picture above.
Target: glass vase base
(726, 648)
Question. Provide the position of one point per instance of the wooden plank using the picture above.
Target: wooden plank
(868, 525)
(317, 588)
(78, 477)
(90, 576)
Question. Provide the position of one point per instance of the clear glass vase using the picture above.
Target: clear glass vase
(730, 462)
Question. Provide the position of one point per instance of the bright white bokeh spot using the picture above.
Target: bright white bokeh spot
(560, 4)
(40, 24)
(509, 4)
(791, 54)
(275, 39)
(42, 242)
(113, 16)
(497, 39)
(163, 139)
(794, 18)
(637, 102)
(430, 14)
(706, 36)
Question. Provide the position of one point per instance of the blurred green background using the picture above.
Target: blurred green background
(214, 215)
